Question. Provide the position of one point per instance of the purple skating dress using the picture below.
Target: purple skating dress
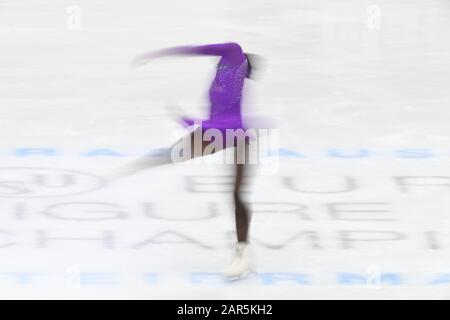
(225, 92)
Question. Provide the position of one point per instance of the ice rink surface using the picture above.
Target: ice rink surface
(358, 206)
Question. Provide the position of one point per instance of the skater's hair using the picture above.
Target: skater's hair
(255, 65)
(249, 66)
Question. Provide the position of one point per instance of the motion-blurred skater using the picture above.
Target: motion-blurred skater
(224, 116)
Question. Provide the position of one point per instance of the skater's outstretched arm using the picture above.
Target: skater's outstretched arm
(230, 51)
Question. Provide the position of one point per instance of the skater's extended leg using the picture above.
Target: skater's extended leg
(138, 165)
(187, 148)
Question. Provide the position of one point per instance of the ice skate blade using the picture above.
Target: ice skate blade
(245, 275)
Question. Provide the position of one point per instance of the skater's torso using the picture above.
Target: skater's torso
(226, 90)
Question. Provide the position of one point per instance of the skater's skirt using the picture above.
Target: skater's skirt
(230, 128)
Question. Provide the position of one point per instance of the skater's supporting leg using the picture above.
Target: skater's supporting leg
(242, 214)
(241, 263)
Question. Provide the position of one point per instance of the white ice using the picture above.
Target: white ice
(345, 75)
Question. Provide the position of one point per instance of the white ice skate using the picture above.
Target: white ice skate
(241, 264)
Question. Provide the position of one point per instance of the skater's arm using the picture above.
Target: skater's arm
(230, 51)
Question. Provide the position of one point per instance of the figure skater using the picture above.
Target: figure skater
(225, 96)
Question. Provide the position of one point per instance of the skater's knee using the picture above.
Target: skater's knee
(238, 204)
